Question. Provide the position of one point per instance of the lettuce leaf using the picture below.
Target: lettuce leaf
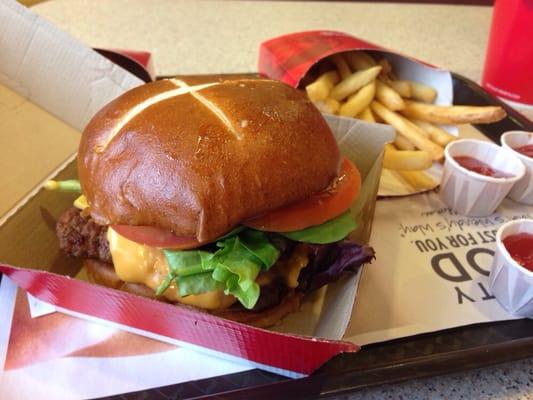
(183, 264)
(190, 262)
(329, 232)
(258, 244)
(198, 283)
(234, 267)
(237, 259)
(237, 267)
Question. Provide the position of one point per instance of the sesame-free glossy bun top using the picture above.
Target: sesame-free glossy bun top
(200, 162)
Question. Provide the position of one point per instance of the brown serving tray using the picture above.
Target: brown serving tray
(417, 356)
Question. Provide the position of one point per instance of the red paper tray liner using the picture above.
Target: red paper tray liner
(293, 353)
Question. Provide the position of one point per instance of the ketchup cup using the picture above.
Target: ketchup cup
(522, 191)
(473, 194)
(510, 282)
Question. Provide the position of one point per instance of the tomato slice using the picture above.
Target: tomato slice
(155, 237)
(314, 210)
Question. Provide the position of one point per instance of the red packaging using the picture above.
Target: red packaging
(288, 58)
(138, 62)
(282, 353)
(144, 58)
(509, 59)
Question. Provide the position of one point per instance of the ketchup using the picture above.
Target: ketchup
(479, 167)
(526, 150)
(520, 247)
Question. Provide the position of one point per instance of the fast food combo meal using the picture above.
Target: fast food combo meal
(231, 197)
(349, 77)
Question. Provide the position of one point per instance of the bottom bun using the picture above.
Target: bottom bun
(104, 274)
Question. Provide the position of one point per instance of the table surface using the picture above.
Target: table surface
(194, 37)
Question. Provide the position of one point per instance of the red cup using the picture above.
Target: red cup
(509, 59)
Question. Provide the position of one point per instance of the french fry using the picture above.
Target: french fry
(406, 128)
(436, 134)
(422, 92)
(406, 160)
(418, 180)
(357, 102)
(354, 82)
(341, 65)
(402, 143)
(388, 97)
(453, 114)
(328, 106)
(386, 68)
(402, 87)
(378, 119)
(359, 60)
(366, 115)
(369, 90)
(320, 89)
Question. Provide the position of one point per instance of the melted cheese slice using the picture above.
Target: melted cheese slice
(81, 203)
(137, 263)
(297, 261)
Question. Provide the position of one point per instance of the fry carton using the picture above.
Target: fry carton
(298, 59)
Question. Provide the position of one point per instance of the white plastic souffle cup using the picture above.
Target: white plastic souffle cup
(473, 194)
(510, 283)
(522, 191)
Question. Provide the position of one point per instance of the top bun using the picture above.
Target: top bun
(199, 160)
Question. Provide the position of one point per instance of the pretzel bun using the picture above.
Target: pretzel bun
(198, 160)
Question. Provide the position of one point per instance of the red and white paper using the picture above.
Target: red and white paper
(43, 351)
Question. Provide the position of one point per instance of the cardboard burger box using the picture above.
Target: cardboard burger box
(50, 86)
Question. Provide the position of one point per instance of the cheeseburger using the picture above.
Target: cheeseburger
(231, 197)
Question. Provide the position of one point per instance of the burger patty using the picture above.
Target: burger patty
(80, 236)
